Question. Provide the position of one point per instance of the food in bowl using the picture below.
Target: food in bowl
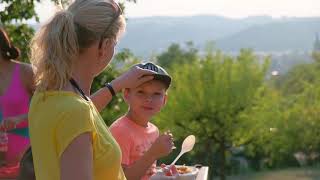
(177, 172)
(184, 169)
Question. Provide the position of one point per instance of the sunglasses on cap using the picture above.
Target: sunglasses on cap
(159, 73)
(118, 12)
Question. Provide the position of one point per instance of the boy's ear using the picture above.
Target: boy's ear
(165, 100)
(125, 94)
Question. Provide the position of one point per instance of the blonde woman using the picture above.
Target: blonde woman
(69, 139)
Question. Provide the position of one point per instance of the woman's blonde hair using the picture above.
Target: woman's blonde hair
(59, 42)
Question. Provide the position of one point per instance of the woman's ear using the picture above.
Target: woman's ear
(103, 49)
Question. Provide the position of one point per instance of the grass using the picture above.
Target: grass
(287, 174)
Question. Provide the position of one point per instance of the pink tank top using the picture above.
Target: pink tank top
(15, 100)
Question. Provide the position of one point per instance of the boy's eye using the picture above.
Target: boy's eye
(140, 92)
(158, 94)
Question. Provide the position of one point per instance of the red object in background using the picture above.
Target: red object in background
(9, 171)
(168, 173)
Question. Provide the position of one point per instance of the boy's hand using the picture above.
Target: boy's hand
(168, 132)
(162, 146)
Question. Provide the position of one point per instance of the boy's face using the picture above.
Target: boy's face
(147, 99)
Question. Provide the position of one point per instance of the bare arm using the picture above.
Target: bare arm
(101, 98)
(27, 76)
(76, 162)
(132, 78)
(140, 167)
(160, 148)
(11, 122)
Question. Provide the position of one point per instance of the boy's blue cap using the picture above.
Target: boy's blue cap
(160, 73)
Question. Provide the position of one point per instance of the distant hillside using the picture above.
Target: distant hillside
(263, 33)
(145, 36)
(296, 34)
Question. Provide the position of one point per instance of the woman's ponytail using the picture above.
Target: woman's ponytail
(54, 48)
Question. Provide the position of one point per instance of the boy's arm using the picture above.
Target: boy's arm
(160, 148)
(137, 170)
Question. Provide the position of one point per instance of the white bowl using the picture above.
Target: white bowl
(187, 176)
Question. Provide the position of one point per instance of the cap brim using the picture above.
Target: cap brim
(163, 78)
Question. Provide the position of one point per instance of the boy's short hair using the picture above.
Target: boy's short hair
(160, 73)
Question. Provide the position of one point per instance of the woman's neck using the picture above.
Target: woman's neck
(82, 74)
(84, 81)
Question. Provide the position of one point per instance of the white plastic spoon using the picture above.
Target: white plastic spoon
(187, 146)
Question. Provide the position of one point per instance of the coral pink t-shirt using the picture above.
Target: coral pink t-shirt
(134, 141)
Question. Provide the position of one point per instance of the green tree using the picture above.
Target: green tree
(176, 55)
(295, 81)
(285, 118)
(316, 49)
(316, 46)
(207, 98)
(300, 92)
(14, 18)
(264, 124)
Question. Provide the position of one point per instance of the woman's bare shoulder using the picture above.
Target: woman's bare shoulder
(25, 67)
(27, 75)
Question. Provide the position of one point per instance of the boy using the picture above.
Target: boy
(138, 138)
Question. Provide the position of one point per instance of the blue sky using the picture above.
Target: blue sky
(228, 8)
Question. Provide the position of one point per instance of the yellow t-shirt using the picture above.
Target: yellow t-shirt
(55, 119)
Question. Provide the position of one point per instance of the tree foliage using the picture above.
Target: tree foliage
(207, 98)
(226, 101)
(285, 118)
(175, 55)
(14, 19)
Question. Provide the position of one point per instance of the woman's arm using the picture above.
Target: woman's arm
(76, 162)
(101, 98)
(11, 122)
(132, 78)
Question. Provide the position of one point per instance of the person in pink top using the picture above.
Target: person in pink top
(16, 87)
(139, 139)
